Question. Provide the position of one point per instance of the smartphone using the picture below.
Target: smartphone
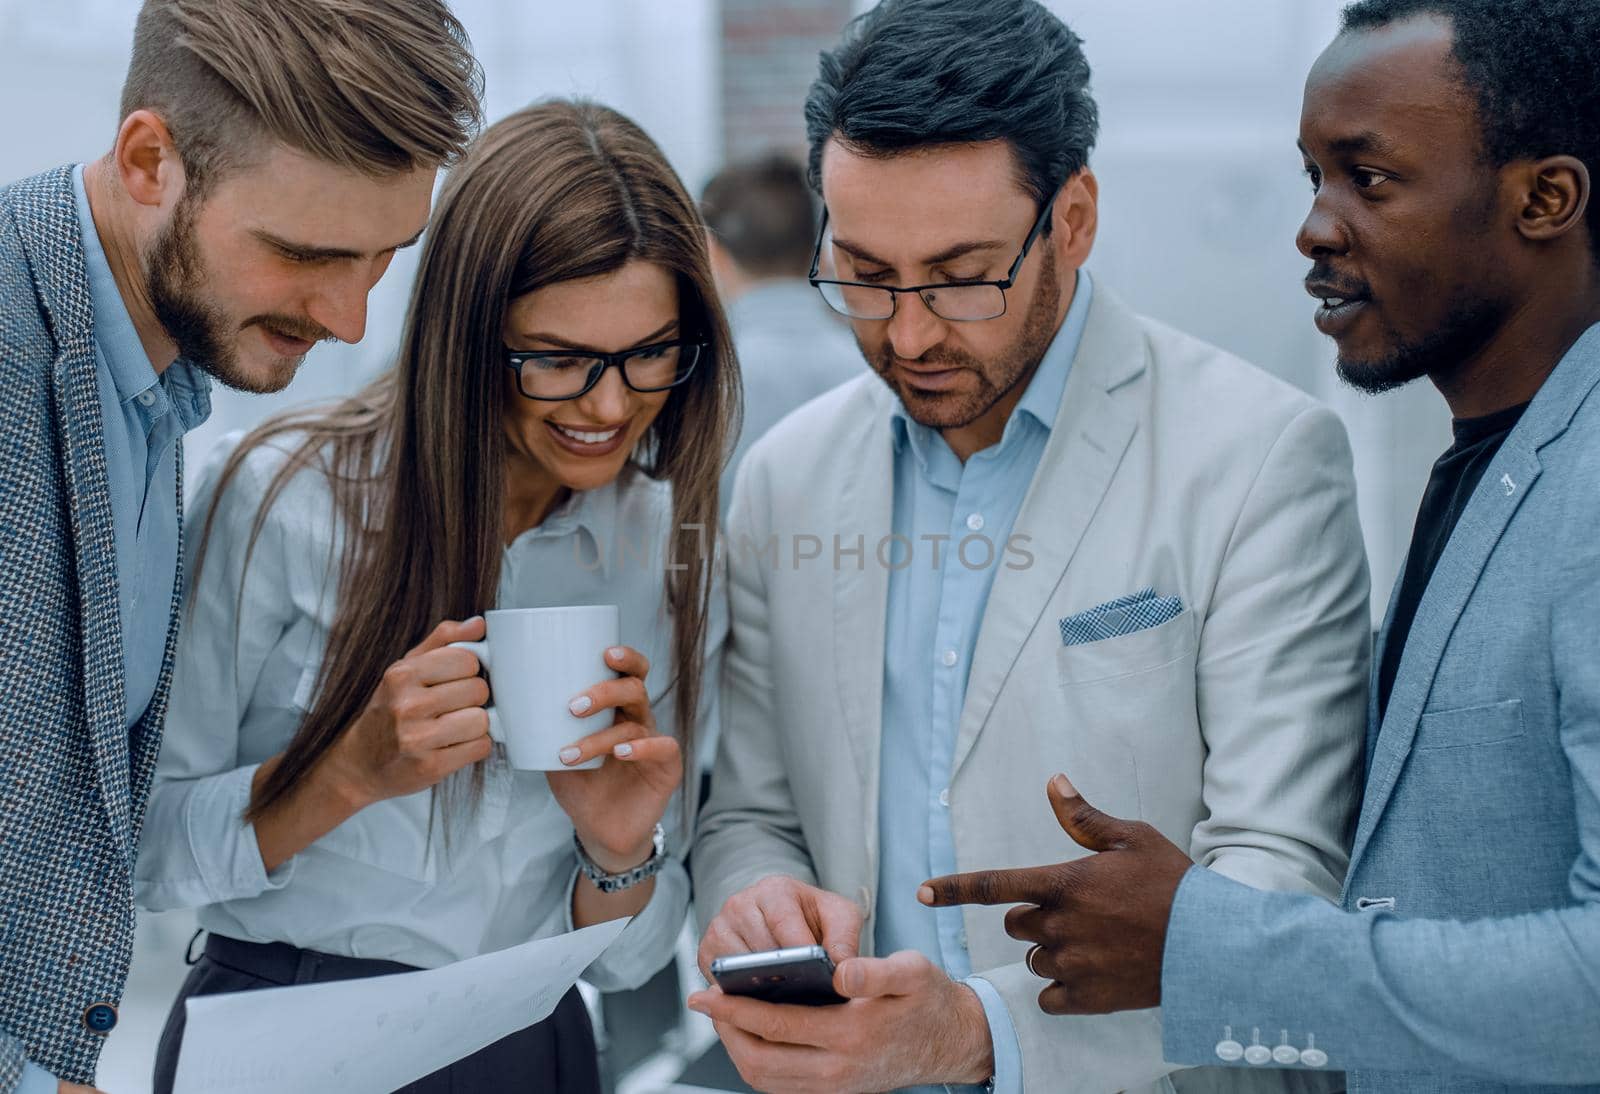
(801, 974)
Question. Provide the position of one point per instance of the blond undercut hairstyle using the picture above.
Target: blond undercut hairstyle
(376, 86)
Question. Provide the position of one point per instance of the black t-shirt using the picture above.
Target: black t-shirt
(1455, 477)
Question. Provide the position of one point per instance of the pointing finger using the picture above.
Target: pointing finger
(1035, 885)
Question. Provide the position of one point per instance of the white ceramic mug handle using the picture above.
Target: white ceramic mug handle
(480, 650)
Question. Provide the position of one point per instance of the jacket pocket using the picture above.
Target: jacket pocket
(1469, 726)
(1128, 654)
(1130, 701)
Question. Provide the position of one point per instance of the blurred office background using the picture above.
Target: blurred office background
(1201, 195)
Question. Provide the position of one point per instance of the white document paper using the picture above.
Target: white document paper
(380, 1033)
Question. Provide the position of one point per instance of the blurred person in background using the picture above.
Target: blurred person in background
(327, 795)
(271, 157)
(762, 218)
(1048, 531)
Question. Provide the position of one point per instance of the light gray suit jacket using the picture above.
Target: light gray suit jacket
(73, 777)
(1468, 955)
(1234, 728)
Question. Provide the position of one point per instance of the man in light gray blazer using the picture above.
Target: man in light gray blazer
(262, 176)
(1454, 147)
(1047, 532)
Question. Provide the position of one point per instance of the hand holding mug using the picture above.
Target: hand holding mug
(616, 806)
(424, 722)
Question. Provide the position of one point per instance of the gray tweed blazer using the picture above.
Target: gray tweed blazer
(73, 778)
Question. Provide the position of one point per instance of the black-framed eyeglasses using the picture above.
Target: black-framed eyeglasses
(556, 375)
(957, 301)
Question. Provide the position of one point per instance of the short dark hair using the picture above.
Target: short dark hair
(378, 86)
(763, 214)
(1533, 67)
(913, 73)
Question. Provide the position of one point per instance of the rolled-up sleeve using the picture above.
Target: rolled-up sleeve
(208, 853)
(647, 944)
(195, 848)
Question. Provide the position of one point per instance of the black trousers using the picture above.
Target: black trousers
(557, 1054)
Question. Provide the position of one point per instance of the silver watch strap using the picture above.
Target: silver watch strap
(616, 883)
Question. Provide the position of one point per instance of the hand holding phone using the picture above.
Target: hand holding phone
(798, 975)
(780, 912)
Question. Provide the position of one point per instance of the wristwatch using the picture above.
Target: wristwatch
(615, 883)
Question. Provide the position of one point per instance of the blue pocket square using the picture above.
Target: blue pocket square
(1124, 615)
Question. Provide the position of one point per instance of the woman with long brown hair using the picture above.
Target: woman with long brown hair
(327, 793)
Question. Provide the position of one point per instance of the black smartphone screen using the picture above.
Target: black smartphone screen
(803, 976)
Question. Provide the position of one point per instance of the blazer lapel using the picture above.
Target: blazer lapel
(144, 745)
(1509, 479)
(1378, 646)
(53, 239)
(1087, 443)
(865, 507)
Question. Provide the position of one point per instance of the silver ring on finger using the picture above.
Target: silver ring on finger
(1028, 961)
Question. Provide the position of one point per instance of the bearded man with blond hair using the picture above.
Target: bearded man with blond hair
(272, 156)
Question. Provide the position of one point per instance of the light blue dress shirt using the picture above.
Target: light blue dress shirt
(144, 416)
(144, 419)
(936, 607)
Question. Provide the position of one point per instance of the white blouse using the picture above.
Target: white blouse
(378, 886)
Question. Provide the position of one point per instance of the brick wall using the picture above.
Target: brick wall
(769, 58)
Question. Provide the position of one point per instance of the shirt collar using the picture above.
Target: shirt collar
(118, 340)
(189, 388)
(114, 331)
(591, 513)
(1039, 403)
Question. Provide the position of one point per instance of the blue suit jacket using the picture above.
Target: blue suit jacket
(1467, 955)
(73, 778)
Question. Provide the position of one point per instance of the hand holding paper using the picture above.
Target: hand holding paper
(377, 1034)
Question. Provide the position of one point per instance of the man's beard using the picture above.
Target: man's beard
(955, 410)
(1439, 353)
(176, 277)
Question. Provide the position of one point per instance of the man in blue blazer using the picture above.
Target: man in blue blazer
(271, 157)
(1454, 150)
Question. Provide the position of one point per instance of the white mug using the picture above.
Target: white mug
(537, 661)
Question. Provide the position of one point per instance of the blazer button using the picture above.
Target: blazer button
(1229, 1049)
(100, 1018)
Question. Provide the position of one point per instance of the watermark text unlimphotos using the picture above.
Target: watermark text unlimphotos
(799, 550)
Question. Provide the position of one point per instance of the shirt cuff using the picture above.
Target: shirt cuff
(646, 945)
(217, 857)
(1007, 1050)
(36, 1080)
